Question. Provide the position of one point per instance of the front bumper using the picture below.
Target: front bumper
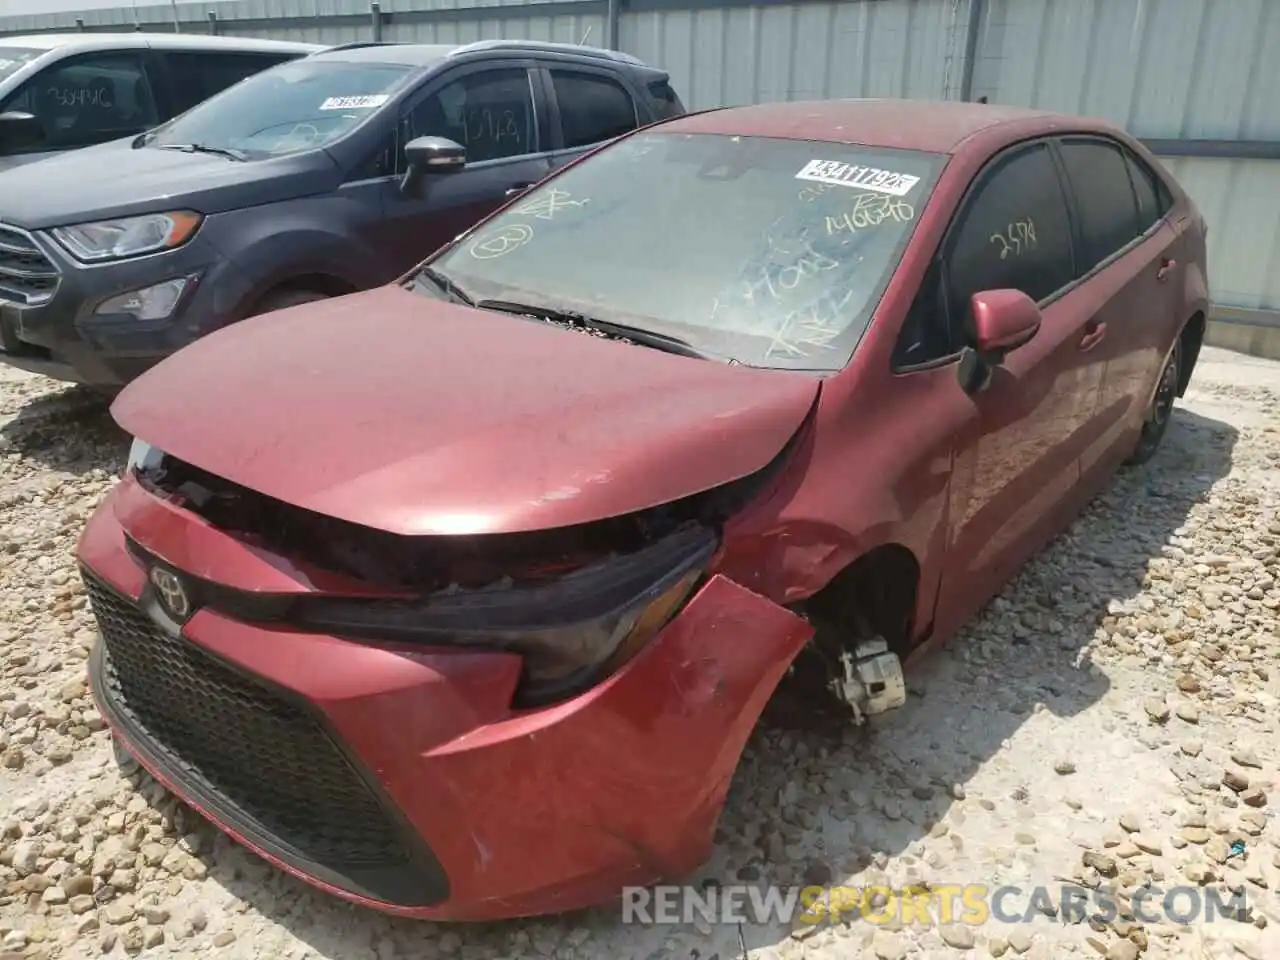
(400, 777)
(63, 337)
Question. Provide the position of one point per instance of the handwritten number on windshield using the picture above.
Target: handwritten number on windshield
(784, 270)
(810, 263)
(871, 210)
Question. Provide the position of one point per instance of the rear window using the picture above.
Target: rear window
(770, 252)
(286, 109)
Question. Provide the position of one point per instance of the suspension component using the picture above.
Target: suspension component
(872, 680)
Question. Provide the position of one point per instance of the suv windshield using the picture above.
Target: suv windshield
(293, 107)
(13, 59)
(772, 252)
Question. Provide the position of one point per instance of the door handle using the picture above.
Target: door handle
(1093, 337)
(518, 189)
(1166, 267)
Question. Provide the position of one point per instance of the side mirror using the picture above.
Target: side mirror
(1003, 321)
(431, 155)
(19, 130)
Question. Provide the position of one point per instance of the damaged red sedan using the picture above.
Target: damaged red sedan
(459, 598)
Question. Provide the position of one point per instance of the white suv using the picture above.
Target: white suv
(63, 91)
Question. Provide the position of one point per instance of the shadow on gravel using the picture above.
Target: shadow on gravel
(815, 801)
(70, 430)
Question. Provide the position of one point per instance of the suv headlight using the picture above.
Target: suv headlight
(128, 237)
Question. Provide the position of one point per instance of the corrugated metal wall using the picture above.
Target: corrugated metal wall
(851, 48)
(1172, 69)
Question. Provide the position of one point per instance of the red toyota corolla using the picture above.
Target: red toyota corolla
(459, 598)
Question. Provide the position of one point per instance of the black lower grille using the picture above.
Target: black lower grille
(253, 757)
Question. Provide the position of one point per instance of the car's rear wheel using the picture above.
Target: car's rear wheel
(279, 299)
(1161, 410)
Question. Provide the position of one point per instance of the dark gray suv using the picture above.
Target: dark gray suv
(330, 174)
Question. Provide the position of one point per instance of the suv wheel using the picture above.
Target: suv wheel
(279, 299)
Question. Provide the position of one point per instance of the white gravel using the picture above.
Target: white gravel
(1110, 691)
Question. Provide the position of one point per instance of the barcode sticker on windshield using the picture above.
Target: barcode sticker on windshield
(355, 103)
(862, 178)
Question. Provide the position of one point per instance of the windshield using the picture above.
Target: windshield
(771, 252)
(289, 108)
(13, 59)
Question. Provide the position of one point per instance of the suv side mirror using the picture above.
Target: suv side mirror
(431, 155)
(1003, 321)
(20, 130)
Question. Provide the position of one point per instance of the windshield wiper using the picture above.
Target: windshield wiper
(228, 152)
(445, 284)
(648, 338)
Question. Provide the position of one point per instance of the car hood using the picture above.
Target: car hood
(415, 416)
(114, 180)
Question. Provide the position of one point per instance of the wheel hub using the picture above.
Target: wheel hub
(1162, 405)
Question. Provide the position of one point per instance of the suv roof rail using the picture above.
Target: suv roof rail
(357, 44)
(547, 46)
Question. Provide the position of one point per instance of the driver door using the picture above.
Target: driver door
(496, 111)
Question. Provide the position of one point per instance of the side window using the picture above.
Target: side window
(1014, 232)
(88, 100)
(489, 112)
(198, 76)
(1147, 188)
(592, 108)
(926, 335)
(663, 100)
(381, 163)
(1104, 196)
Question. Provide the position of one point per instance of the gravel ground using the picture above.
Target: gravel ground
(1110, 720)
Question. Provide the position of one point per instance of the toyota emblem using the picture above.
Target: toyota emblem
(171, 593)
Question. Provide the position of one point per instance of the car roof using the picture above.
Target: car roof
(133, 39)
(936, 126)
(426, 54)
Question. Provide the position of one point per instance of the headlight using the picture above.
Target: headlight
(571, 633)
(142, 456)
(129, 237)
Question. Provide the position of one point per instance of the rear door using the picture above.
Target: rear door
(188, 77)
(491, 108)
(1126, 269)
(588, 106)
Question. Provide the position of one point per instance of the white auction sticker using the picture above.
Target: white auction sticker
(862, 178)
(355, 103)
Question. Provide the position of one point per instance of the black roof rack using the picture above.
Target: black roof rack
(547, 46)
